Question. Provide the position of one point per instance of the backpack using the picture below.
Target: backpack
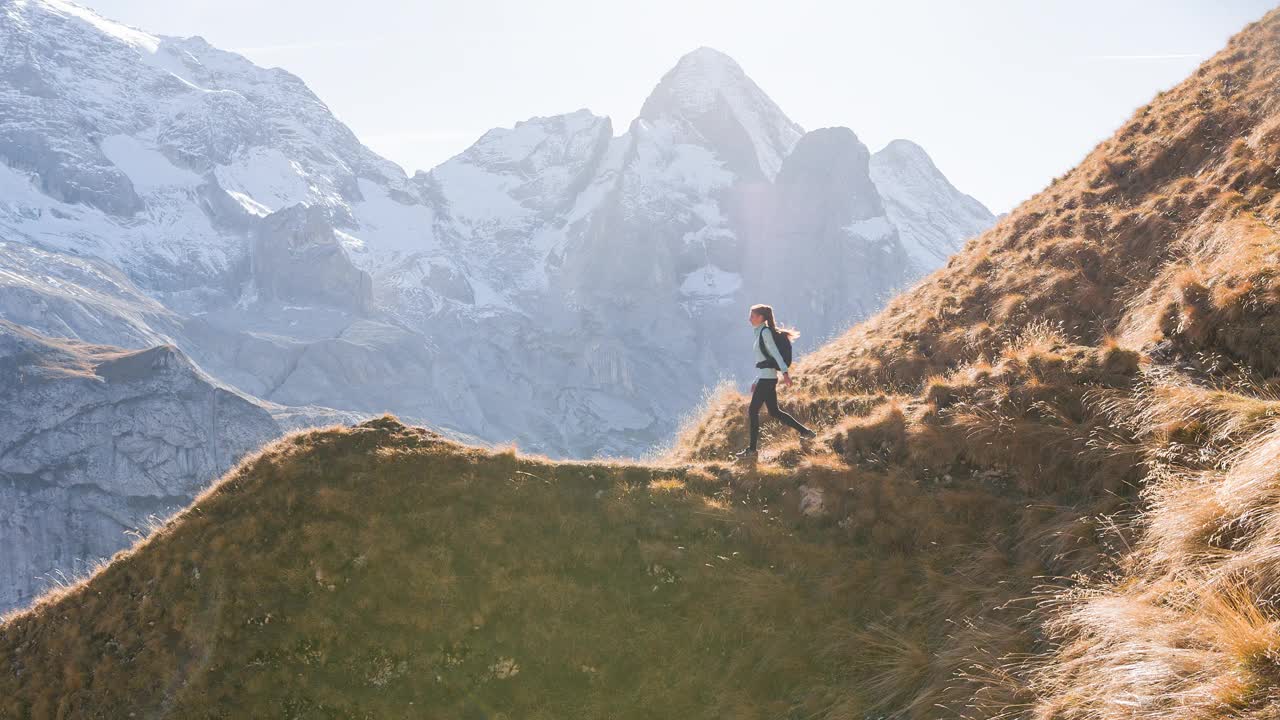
(783, 341)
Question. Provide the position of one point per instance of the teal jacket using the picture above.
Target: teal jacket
(771, 347)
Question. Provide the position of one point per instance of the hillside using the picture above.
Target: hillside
(380, 571)
(1045, 487)
(1108, 352)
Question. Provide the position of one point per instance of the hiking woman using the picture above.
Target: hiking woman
(769, 360)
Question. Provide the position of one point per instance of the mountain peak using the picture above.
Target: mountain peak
(907, 154)
(708, 93)
(905, 149)
(693, 85)
(707, 59)
(905, 158)
(935, 218)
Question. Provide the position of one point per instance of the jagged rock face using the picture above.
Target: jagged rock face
(826, 183)
(43, 129)
(933, 218)
(708, 101)
(152, 152)
(94, 440)
(499, 197)
(833, 255)
(297, 259)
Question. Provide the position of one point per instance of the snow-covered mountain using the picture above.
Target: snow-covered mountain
(159, 190)
(554, 284)
(707, 101)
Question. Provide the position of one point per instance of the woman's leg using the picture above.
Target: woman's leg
(758, 397)
(771, 402)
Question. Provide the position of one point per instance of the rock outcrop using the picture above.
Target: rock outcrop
(96, 442)
(297, 259)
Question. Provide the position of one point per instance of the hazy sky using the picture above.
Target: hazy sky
(1003, 95)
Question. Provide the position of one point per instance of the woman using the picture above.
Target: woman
(764, 391)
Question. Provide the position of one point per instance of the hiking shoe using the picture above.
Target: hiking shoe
(808, 434)
(746, 453)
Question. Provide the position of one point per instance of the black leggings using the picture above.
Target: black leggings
(766, 393)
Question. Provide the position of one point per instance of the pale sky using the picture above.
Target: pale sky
(1003, 95)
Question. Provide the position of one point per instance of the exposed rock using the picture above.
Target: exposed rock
(933, 218)
(812, 501)
(94, 441)
(534, 288)
(298, 259)
(834, 254)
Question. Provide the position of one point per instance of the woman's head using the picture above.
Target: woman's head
(761, 314)
(764, 314)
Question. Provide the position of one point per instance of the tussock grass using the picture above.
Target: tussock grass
(1107, 358)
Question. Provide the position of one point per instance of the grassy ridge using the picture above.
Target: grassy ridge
(383, 572)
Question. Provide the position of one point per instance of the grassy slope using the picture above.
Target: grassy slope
(1112, 348)
(1045, 488)
(384, 572)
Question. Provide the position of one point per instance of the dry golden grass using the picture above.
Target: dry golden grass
(1108, 355)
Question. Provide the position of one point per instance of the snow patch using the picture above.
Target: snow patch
(391, 226)
(475, 194)
(148, 169)
(706, 233)
(489, 298)
(253, 207)
(268, 178)
(349, 241)
(876, 228)
(663, 170)
(696, 168)
(711, 282)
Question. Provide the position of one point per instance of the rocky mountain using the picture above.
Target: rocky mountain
(640, 251)
(834, 254)
(556, 285)
(96, 442)
(533, 288)
(929, 213)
